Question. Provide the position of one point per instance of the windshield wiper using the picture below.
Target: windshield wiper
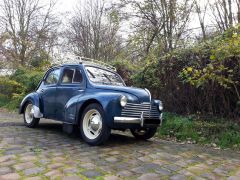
(107, 77)
(91, 73)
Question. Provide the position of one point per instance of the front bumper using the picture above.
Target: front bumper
(141, 120)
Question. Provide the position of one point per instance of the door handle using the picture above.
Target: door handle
(42, 90)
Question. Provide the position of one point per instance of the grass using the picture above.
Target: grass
(3, 100)
(223, 133)
(8, 103)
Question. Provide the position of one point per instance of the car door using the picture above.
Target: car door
(71, 84)
(47, 91)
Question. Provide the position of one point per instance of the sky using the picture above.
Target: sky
(65, 5)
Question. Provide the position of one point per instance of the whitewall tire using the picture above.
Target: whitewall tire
(93, 127)
(28, 116)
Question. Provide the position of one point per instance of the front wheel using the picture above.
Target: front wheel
(93, 127)
(28, 116)
(143, 133)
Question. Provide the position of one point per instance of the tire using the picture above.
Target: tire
(29, 120)
(93, 127)
(144, 133)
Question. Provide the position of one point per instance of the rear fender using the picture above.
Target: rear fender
(35, 100)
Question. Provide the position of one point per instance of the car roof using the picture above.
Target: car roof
(83, 64)
(86, 61)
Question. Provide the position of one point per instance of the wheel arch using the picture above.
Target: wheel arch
(21, 110)
(35, 100)
(84, 105)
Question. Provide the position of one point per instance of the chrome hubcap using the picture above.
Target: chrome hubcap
(29, 113)
(92, 124)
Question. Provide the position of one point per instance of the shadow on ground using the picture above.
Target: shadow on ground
(116, 138)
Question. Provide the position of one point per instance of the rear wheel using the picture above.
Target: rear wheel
(93, 127)
(28, 116)
(143, 133)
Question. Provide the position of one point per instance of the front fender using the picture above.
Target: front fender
(108, 100)
(35, 100)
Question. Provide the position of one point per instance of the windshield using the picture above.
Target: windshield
(101, 76)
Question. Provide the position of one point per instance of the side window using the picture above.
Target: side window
(71, 76)
(53, 77)
(77, 76)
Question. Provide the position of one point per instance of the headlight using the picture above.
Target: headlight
(160, 106)
(123, 101)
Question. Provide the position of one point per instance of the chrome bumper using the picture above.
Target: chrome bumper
(132, 120)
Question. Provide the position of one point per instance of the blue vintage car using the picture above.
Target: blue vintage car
(90, 95)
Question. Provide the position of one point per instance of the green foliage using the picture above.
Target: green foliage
(41, 61)
(149, 75)
(225, 134)
(126, 70)
(8, 87)
(224, 50)
(13, 88)
(229, 139)
(179, 127)
(202, 78)
(3, 100)
(28, 78)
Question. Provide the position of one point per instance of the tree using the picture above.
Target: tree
(159, 25)
(93, 31)
(238, 10)
(28, 29)
(201, 13)
(224, 13)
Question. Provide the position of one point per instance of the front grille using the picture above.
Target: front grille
(135, 110)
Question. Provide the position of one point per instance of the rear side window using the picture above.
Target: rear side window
(53, 77)
(71, 76)
(77, 78)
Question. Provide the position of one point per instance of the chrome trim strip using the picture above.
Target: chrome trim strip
(136, 106)
(144, 103)
(127, 120)
(161, 119)
(133, 120)
(133, 110)
(150, 97)
(142, 120)
(136, 109)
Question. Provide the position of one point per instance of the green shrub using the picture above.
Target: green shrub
(201, 78)
(28, 78)
(15, 87)
(180, 127)
(126, 70)
(8, 87)
(3, 100)
(229, 138)
(222, 132)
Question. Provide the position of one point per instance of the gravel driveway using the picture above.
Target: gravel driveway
(48, 153)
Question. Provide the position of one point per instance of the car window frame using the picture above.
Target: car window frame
(47, 74)
(73, 83)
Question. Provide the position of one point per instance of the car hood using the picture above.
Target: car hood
(141, 94)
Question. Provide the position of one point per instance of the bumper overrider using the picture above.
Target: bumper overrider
(142, 114)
